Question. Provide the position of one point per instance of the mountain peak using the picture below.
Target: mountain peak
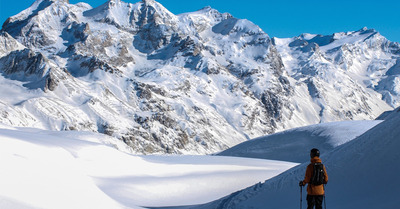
(206, 8)
(55, 1)
(155, 4)
(365, 29)
(152, 3)
(149, 1)
(111, 3)
(34, 16)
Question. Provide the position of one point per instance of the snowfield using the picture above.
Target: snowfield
(81, 170)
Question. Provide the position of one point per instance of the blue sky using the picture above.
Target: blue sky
(280, 18)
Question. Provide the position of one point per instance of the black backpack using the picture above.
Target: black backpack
(318, 176)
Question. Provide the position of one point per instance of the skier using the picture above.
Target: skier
(315, 178)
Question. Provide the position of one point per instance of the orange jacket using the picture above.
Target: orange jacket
(313, 189)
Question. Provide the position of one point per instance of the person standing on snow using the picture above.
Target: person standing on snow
(316, 176)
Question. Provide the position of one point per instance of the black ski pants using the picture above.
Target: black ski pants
(314, 200)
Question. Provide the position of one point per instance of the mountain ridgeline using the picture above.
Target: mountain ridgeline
(193, 83)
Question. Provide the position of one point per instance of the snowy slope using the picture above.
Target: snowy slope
(292, 145)
(361, 172)
(56, 170)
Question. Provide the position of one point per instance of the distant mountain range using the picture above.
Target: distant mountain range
(194, 83)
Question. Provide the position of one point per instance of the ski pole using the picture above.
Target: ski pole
(324, 195)
(301, 196)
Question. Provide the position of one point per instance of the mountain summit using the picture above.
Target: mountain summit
(196, 83)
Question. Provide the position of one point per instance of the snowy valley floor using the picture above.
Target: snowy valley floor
(44, 169)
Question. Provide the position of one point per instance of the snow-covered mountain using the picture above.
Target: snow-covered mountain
(198, 82)
(352, 66)
(357, 172)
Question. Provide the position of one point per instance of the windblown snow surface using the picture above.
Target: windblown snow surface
(84, 170)
(362, 173)
(293, 145)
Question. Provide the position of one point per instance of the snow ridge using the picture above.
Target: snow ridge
(290, 145)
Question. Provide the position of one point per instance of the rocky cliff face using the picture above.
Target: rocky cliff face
(193, 83)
